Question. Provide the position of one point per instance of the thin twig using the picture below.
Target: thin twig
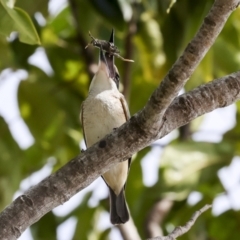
(156, 216)
(179, 231)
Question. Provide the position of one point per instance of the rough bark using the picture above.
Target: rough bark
(216, 94)
(160, 116)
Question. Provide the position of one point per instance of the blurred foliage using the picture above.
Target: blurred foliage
(15, 19)
(50, 103)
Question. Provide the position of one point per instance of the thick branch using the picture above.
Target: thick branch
(119, 145)
(187, 63)
(217, 94)
(140, 131)
(179, 231)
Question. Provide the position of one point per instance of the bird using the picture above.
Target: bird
(104, 110)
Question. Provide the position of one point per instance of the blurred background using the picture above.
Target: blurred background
(41, 91)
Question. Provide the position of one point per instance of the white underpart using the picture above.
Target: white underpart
(102, 112)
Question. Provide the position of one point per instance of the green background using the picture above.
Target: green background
(50, 105)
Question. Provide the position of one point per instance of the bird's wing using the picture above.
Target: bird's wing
(81, 120)
(127, 116)
(125, 107)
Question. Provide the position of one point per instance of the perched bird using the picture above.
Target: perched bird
(105, 109)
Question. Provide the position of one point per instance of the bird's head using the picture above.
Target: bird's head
(106, 63)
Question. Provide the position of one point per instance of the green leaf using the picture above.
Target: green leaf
(15, 19)
(31, 7)
(60, 26)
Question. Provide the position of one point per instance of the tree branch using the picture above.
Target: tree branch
(129, 230)
(141, 130)
(188, 61)
(156, 216)
(179, 231)
(205, 98)
(119, 145)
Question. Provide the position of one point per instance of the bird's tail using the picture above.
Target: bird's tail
(118, 208)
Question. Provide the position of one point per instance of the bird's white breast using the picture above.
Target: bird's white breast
(100, 115)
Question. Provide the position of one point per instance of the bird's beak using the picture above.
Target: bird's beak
(111, 40)
(107, 60)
